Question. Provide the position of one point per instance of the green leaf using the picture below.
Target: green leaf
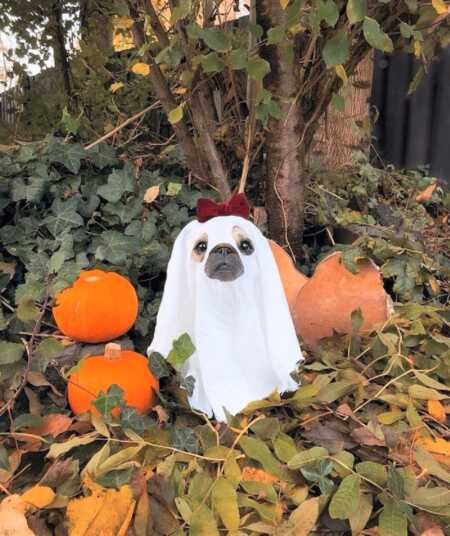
(376, 37)
(359, 519)
(393, 520)
(180, 11)
(356, 10)
(259, 451)
(212, 63)
(328, 11)
(428, 463)
(338, 102)
(27, 310)
(307, 456)
(200, 486)
(336, 50)
(184, 439)
(216, 39)
(284, 447)
(4, 459)
(64, 217)
(131, 419)
(203, 522)
(115, 479)
(224, 501)
(373, 471)
(158, 365)
(69, 155)
(238, 58)
(45, 351)
(257, 68)
(116, 247)
(26, 420)
(347, 459)
(175, 115)
(182, 349)
(420, 392)
(119, 182)
(106, 402)
(10, 352)
(275, 35)
(345, 501)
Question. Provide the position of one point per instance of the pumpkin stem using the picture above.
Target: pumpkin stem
(112, 350)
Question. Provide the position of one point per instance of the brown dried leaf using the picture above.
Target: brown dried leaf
(53, 424)
(364, 436)
(12, 517)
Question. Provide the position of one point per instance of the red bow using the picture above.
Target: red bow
(236, 206)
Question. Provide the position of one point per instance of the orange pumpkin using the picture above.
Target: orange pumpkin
(99, 307)
(129, 370)
(292, 279)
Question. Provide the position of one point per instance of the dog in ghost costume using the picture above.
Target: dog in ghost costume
(223, 289)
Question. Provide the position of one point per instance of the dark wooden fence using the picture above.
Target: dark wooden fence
(412, 130)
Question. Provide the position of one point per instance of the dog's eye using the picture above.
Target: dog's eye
(201, 247)
(246, 247)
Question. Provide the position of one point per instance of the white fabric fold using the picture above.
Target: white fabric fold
(245, 340)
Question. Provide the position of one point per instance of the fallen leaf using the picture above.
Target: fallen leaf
(53, 424)
(151, 194)
(141, 68)
(257, 475)
(425, 195)
(39, 496)
(436, 446)
(436, 410)
(106, 511)
(364, 436)
(12, 517)
(116, 86)
(161, 413)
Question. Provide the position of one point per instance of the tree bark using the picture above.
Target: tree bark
(337, 136)
(285, 169)
(61, 60)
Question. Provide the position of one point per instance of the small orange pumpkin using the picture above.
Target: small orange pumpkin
(98, 307)
(293, 280)
(129, 370)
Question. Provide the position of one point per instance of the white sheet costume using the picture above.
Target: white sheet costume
(245, 341)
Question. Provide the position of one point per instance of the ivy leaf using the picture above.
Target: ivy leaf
(106, 402)
(45, 351)
(375, 36)
(118, 183)
(212, 63)
(336, 50)
(158, 365)
(69, 155)
(182, 349)
(346, 499)
(216, 39)
(328, 11)
(275, 35)
(238, 58)
(130, 418)
(188, 384)
(183, 438)
(356, 10)
(10, 352)
(116, 478)
(393, 520)
(64, 217)
(257, 68)
(116, 247)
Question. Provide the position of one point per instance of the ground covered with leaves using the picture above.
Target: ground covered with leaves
(362, 447)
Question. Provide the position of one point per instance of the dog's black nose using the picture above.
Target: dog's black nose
(223, 250)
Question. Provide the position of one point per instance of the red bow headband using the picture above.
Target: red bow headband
(236, 206)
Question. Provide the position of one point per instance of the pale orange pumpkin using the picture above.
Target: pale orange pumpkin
(129, 370)
(98, 307)
(292, 279)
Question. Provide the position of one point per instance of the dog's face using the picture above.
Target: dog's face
(223, 261)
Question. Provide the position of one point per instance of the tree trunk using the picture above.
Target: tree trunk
(284, 153)
(62, 66)
(341, 133)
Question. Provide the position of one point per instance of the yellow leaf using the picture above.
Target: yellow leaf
(304, 517)
(224, 499)
(340, 71)
(180, 90)
(436, 446)
(116, 86)
(436, 410)
(425, 195)
(151, 194)
(417, 49)
(12, 517)
(39, 496)
(141, 68)
(440, 7)
(390, 417)
(176, 114)
(284, 3)
(107, 511)
(123, 22)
